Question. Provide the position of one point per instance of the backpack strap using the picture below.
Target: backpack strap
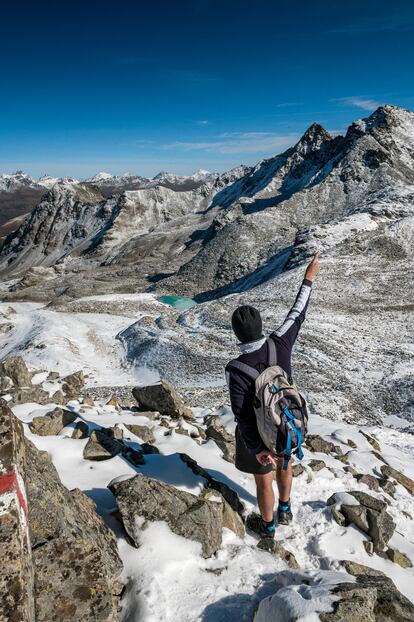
(245, 369)
(287, 452)
(271, 352)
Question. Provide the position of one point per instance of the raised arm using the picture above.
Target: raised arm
(288, 330)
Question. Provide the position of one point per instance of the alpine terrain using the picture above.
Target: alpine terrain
(119, 498)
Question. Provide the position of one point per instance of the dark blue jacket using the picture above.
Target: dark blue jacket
(241, 387)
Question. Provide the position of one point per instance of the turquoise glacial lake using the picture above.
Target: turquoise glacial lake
(178, 302)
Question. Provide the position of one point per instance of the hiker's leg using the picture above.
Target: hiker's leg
(265, 495)
(284, 479)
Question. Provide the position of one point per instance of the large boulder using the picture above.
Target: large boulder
(75, 554)
(52, 423)
(187, 515)
(15, 368)
(16, 575)
(163, 398)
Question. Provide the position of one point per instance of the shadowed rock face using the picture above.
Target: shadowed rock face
(187, 515)
(75, 555)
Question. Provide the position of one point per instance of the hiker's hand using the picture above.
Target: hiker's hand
(265, 458)
(312, 270)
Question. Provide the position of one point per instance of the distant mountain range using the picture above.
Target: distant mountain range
(244, 237)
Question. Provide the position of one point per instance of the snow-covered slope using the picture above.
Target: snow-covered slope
(319, 180)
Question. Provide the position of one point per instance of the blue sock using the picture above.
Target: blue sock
(269, 525)
(284, 505)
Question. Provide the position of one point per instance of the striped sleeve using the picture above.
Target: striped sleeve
(289, 329)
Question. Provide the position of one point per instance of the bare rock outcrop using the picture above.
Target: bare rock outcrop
(187, 515)
(163, 398)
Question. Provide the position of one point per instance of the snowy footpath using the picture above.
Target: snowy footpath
(166, 577)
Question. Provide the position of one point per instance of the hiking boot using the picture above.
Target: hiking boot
(254, 522)
(268, 530)
(284, 514)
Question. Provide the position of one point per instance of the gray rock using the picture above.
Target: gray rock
(317, 465)
(163, 398)
(372, 441)
(372, 598)
(381, 528)
(15, 368)
(399, 558)
(388, 486)
(318, 444)
(349, 469)
(53, 375)
(226, 492)
(370, 516)
(33, 393)
(187, 515)
(223, 439)
(338, 517)
(369, 480)
(368, 500)
(16, 576)
(142, 431)
(399, 477)
(81, 430)
(73, 385)
(369, 547)
(75, 554)
(297, 469)
(52, 423)
(101, 446)
(231, 519)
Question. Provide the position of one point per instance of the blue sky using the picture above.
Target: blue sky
(150, 86)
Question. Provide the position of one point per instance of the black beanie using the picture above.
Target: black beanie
(247, 324)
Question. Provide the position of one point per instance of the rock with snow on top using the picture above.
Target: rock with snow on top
(164, 398)
(52, 423)
(101, 446)
(186, 515)
(142, 431)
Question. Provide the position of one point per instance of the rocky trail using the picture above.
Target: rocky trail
(119, 499)
(162, 480)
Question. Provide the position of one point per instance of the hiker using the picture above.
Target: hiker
(252, 454)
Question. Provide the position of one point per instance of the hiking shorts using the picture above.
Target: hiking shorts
(246, 461)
